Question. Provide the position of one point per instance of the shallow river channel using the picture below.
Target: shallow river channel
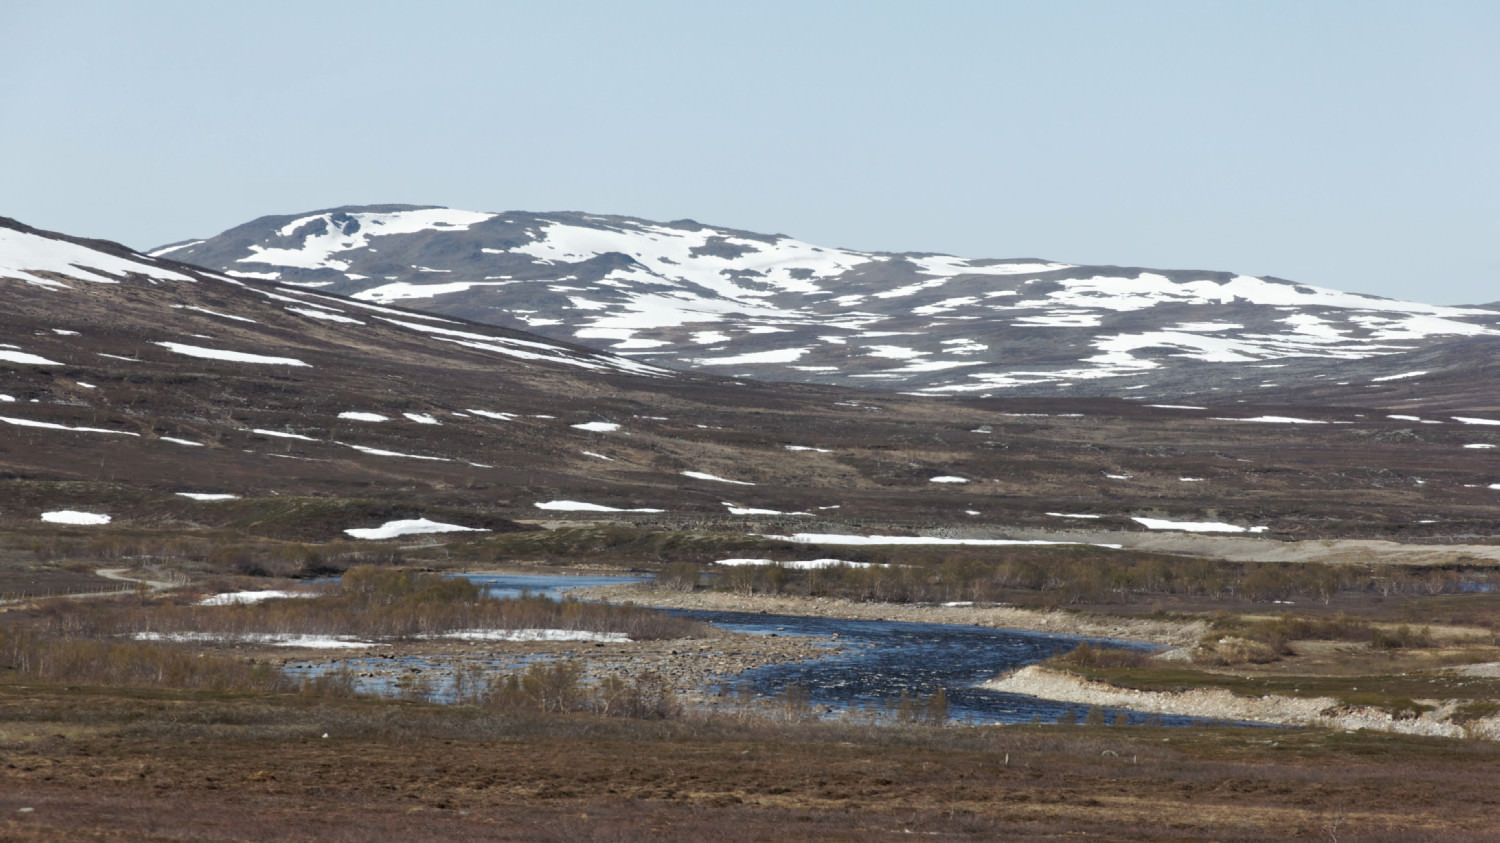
(870, 664)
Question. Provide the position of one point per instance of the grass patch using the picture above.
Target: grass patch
(1236, 640)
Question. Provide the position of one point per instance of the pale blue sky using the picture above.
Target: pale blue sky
(1351, 145)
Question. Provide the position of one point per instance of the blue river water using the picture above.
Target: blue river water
(875, 662)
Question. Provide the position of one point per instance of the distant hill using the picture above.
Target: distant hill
(691, 296)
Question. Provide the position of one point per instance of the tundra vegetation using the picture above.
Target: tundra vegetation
(90, 717)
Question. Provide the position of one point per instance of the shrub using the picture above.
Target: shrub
(679, 576)
(1232, 650)
(913, 708)
(379, 602)
(649, 697)
(1401, 638)
(86, 661)
(1087, 655)
(557, 687)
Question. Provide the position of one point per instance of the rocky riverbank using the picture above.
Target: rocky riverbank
(691, 667)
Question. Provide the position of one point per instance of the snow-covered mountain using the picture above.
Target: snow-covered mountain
(45, 260)
(153, 392)
(687, 295)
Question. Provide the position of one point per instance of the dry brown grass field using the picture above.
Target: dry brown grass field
(108, 757)
(86, 763)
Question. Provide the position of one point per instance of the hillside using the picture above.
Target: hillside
(129, 381)
(693, 296)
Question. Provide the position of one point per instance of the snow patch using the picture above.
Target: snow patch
(326, 316)
(22, 254)
(230, 356)
(579, 506)
(535, 635)
(73, 516)
(25, 359)
(1276, 420)
(380, 452)
(317, 250)
(312, 642)
(780, 355)
(236, 598)
(492, 415)
(699, 475)
(407, 527)
(51, 426)
(797, 564)
(845, 539)
(282, 435)
(1194, 526)
(213, 313)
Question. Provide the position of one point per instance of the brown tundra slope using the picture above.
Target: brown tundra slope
(126, 380)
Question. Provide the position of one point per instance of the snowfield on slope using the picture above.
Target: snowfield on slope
(770, 306)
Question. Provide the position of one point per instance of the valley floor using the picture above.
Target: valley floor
(1039, 681)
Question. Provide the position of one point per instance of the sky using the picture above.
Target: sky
(1352, 145)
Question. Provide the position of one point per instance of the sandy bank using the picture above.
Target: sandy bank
(1166, 633)
(1218, 703)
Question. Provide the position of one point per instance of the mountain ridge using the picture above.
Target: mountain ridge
(692, 296)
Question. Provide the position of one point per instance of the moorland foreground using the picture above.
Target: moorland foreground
(121, 758)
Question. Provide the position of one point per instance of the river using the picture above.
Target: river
(878, 661)
(869, 666)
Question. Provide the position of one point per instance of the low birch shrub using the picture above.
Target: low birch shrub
(369, 602)
(101, 662)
